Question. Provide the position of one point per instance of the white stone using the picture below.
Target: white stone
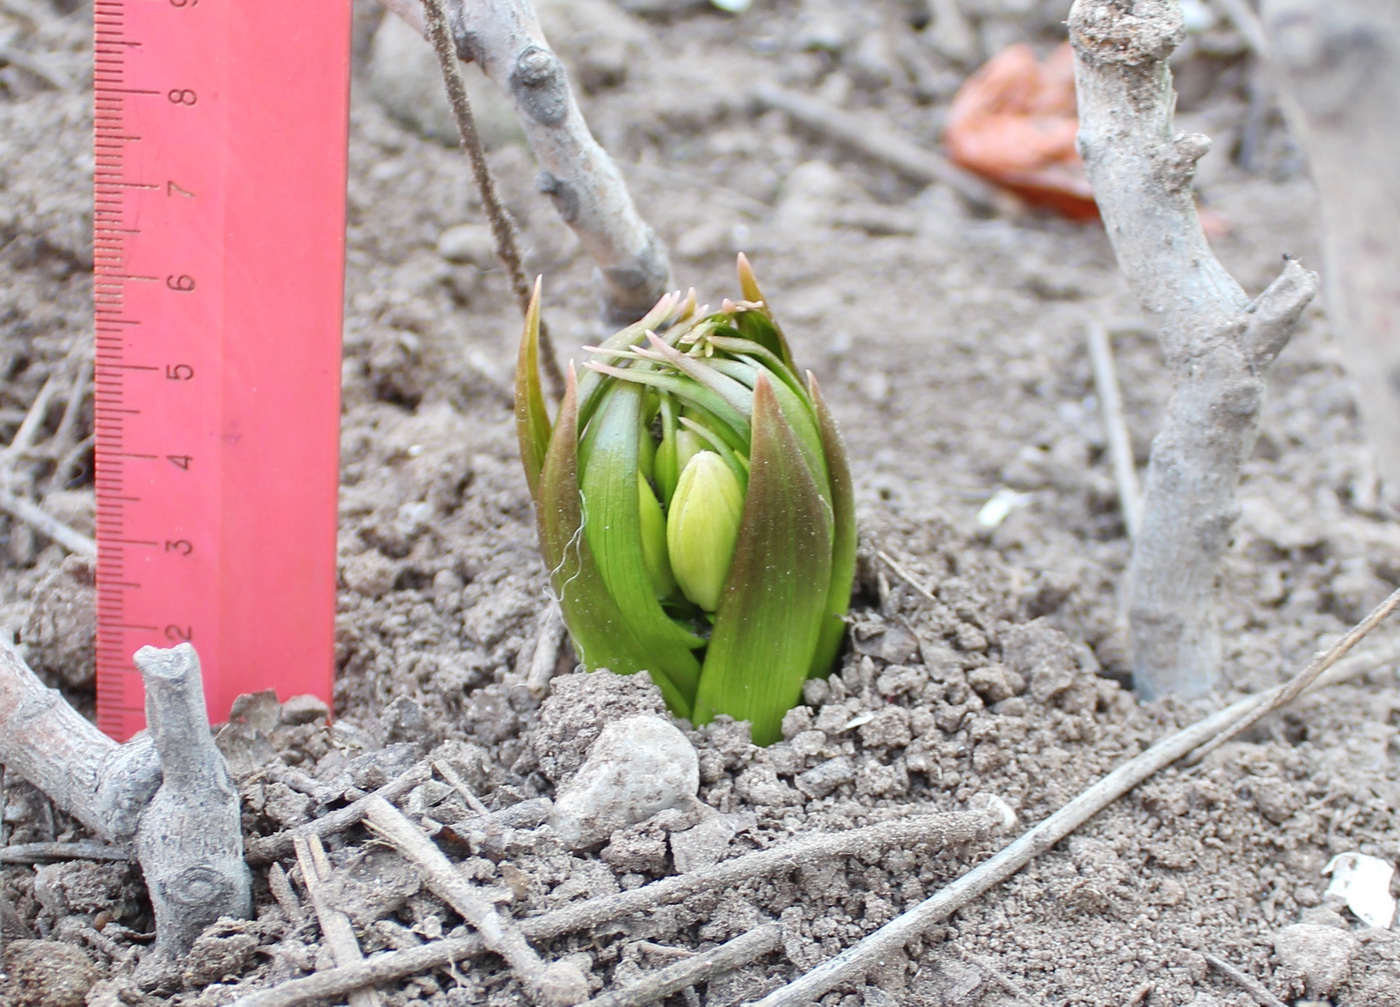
(1363, 883)
(638, 766)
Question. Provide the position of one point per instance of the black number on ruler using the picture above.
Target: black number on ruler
(178, 634)
(180, 461)
(179, 372)
(173, 187)
(181, 96)
(182, 283)
(184, 3)
(180, 545)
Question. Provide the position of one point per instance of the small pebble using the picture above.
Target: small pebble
(1321, 954)
(638, 766)
(47, 974)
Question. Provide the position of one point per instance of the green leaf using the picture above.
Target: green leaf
(843, 547)
(670, 310)
(605, 635)
(731, 391)
(770, 619)
(612, 522)
(732, 424)
(531, 416)
(760, 325)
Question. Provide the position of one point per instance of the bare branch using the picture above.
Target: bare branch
(100, 783)
(504, 37)
(190, 837)
(502, 226)
(1218, 344)
(695, 969)
(168, 794)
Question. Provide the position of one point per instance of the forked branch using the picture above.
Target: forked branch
(1218, 343)
(167, 795)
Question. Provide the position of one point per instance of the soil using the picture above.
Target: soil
(951, 346)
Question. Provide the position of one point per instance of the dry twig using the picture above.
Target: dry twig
(266, 849)
(1218, 343)
(559, 984)
(335, 925)
(38, 853)
(281, 890)
(878, 144)
(1295, 687)
(44, 523)
(1245, 981)
(927, 831)
(1120, 444)
(695, 969)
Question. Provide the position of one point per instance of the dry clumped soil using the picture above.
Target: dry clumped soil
(951, 347)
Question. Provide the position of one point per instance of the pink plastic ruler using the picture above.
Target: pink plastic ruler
(219, 259)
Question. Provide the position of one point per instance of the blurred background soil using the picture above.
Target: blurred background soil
(951, 346)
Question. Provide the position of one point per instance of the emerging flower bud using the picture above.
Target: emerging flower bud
(703, 526)
(695, 508)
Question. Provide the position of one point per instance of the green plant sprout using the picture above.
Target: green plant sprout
(695, 507)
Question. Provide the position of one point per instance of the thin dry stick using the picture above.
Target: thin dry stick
(935, 830)
(498, 932)
(546, 653)
(455, 781)
(65, 436)
(1001, 979)
(856, 960)
(1245, 981)
(1120, 445)
(281, 890)
(502, 227)
(1295, 686)
(25, 436)
(695, 969)
(46, 524)
(38, 853)
(906, 576)
(335, 925)
(881, 145)
(274, 847)
(1248, 23)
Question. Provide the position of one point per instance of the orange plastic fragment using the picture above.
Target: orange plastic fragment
(1014, 122)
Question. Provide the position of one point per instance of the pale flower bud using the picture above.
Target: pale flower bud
(703, 526)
